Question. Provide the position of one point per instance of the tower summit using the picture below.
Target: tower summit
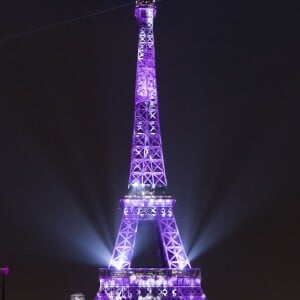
(147, 199)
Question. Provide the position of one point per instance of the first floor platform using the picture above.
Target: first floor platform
(150, 283)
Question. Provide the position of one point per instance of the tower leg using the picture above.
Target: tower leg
(122, 254)
(173, 247)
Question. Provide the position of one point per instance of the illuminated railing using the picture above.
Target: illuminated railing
(150, 283)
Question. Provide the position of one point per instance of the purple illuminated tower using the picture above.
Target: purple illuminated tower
(147, 199)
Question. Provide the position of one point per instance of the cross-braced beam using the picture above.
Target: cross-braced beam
(147, 162)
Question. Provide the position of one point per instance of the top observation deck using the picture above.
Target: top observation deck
(145, 3)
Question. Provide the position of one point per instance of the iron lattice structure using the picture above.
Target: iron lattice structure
(147, 199)
(147, 163)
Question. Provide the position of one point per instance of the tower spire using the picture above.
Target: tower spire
(147, 169)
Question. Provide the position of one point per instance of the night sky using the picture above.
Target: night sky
(228, 93)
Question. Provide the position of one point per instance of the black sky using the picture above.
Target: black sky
(228, 92)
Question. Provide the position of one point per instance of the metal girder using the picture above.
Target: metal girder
(122, 254)
(149, 209)
(172, 244)
(147, 162)
(150, 284)
(147, 199)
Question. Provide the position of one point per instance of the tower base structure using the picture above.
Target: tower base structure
(150, 283)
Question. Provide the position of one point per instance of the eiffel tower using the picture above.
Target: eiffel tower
(147, 198)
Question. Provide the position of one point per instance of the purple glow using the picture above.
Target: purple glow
(4, 270)
(149, 283)
(147, 199)
(155, 208)
(147, 163)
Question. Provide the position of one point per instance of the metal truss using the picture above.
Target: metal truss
(122, 254)
(147, 283)
(147, 163)
(160, 210)
(173, 247)
(147, 199)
